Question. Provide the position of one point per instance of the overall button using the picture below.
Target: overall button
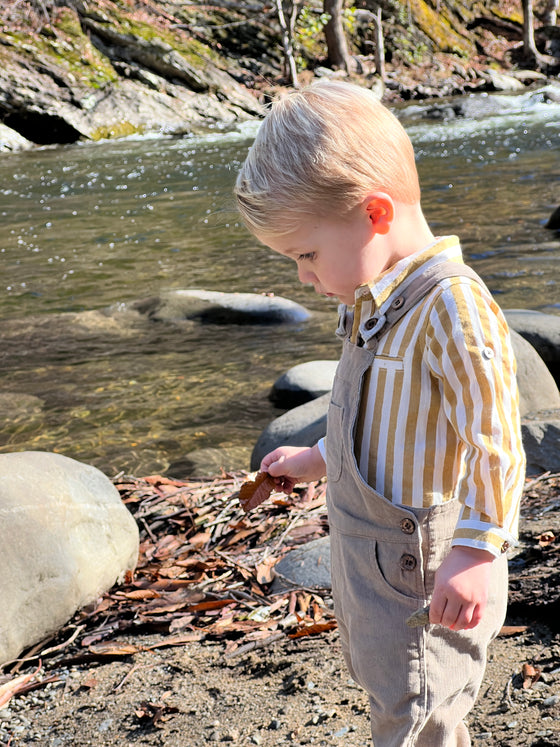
(370, 323)
(408, 562)
(408, 526)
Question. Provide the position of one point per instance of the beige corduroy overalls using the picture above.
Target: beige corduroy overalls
(421, 681)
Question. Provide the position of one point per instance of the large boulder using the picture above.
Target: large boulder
(93, 73)
(66, 538)
(542, 331)
(541, 441)
(537, 389)
(216, 307)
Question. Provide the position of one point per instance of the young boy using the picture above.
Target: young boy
(423, 452)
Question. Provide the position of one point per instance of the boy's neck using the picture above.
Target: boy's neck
(409, 232)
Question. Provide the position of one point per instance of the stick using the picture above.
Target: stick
(255, 644)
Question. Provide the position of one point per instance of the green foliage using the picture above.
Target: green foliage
(410, 51)
(308, 36)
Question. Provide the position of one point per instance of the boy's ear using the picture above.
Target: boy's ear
(381, 211)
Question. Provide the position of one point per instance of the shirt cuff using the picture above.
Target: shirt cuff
(495, 540)
(322, 446)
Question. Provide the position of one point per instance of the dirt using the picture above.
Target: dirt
(276, 690)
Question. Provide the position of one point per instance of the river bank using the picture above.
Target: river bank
(94, 70)
(202, 648)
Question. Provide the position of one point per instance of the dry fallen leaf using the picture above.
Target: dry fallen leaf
(546, 538)
(510, 630)
(15, 685)
(530, 675)
(254, 492)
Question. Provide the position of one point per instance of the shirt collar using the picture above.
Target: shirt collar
(372, 299)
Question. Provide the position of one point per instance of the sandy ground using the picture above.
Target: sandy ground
(290, 692)
(273, 690)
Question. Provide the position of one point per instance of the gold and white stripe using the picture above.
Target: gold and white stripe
(439, 415)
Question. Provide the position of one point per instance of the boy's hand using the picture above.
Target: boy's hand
(289, 465)
(461, 588)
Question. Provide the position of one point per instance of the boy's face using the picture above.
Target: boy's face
(335, 256)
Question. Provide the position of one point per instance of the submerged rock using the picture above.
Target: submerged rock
(66, 538)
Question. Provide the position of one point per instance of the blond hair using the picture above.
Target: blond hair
(320, 151)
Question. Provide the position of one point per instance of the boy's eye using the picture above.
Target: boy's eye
(309, 255)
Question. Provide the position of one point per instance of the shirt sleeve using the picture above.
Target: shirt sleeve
(322, 446)
(470, 354)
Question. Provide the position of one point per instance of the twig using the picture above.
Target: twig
(542, 478)
(254, 644)
(60, 646)
(127, 675)
(148, 530)
(507, 693)
(288, 529)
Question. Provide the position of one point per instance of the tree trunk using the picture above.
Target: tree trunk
(337, 47)
(379, 46)
(289, 59)
(550, 15)
(530, 52)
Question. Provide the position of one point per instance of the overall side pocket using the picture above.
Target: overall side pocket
(334, 442)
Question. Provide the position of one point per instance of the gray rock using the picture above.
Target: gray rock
(531, 369)
(222, 308)
(501, 81)
(308, 565)
(11, 141)
(541, 440)
(303, 383)
(542, 331)
(306, 424)
(66, 537)
(302, 426)
(554, 221)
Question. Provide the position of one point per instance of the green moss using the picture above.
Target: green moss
(195, 52)
(64, 44)
(117, 129)
(514, 12)
(439, 29)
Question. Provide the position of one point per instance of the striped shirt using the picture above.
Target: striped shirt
(439, 417)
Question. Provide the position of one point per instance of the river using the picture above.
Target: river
(96, 226)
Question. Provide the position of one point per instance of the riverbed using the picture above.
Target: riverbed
(89, 229)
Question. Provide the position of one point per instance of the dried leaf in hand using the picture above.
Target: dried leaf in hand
(253, 492)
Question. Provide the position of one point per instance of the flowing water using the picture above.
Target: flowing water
(90, 228)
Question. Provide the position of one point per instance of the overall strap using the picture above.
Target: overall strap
(413, 291)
